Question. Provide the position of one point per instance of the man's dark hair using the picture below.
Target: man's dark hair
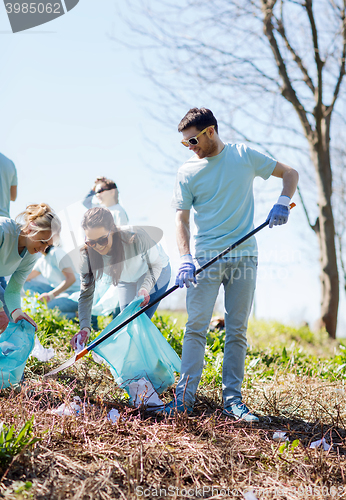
(199, 118)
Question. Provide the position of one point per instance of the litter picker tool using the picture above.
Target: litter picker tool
(99, 340)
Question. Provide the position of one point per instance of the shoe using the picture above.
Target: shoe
(239, 411)
(176, 406)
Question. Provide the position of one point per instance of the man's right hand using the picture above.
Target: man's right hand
(3, 320)
(187, 272)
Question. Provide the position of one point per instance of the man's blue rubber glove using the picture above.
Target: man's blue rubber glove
(280, 212)
(187, 271)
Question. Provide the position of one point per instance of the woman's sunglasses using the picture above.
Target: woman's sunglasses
(102, 242)
(193, 141)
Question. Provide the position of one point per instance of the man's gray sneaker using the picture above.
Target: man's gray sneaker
(239, 411)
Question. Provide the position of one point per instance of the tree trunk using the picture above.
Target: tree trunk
(325, 230)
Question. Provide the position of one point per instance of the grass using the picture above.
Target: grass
(294, 380)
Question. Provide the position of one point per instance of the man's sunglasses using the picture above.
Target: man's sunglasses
(193, 141)
(106, 188)
(102, 242)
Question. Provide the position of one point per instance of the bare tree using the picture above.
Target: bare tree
(276, 70)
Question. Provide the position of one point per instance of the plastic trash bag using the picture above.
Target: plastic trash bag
(138, 351)
(16, 344)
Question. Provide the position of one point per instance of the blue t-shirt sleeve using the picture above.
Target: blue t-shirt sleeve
(262, 164)
(182, 196)
(14, 181)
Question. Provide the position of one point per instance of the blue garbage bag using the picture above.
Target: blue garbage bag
(138, 351)
(16, 344)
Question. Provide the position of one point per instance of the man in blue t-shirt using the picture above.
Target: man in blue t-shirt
(218, 183)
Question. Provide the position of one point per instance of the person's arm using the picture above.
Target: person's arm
(13, 191)
(182, 224)
(13, 301)
(17, 280)
(289, 178)
(280, 211)
(33, 275)
(152, 275)
(87, 202)
(85, 303)
(70, 278)
(187, 269)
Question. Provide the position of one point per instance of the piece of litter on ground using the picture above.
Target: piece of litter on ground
(79, 344)
(143, 393)
(280, 436)
(40, 352)
(113, 415)
(68, 409)
(249, 496)
(320, 442)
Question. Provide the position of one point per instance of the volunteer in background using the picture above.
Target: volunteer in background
(57, 268)
(106, 194)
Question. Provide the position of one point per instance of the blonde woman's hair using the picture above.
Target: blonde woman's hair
(39, 217)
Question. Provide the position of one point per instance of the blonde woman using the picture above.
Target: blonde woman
(20, 240)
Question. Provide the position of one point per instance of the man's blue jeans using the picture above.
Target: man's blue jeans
(238, 276)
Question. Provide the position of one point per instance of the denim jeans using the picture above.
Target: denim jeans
(238, 277)
(67, 306)
(128, 291)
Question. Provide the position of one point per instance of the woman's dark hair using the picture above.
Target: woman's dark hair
(102, 217)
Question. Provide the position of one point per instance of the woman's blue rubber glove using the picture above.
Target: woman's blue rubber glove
(187, 271)
(280, 212)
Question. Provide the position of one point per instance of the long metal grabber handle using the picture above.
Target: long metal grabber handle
(173, 288)
(98, 341)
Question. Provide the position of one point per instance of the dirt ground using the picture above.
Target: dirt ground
(204, 455)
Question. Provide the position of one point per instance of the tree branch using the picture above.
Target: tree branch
(281, 30)
(287, 89)
(342, 62)
(318, 60)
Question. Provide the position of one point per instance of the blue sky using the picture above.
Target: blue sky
(74, 105)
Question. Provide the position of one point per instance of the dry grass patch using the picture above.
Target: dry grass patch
(202, 456)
